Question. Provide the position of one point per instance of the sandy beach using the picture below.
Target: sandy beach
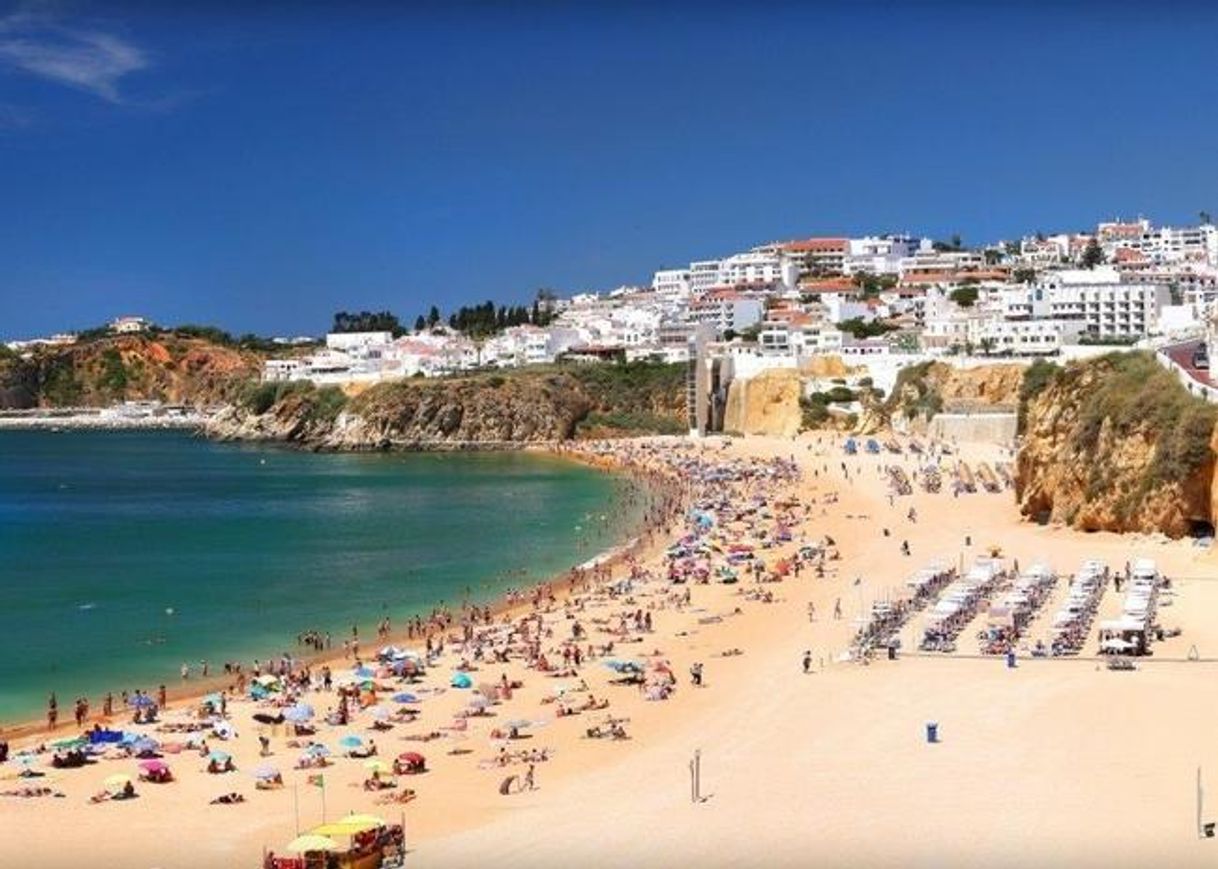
(1058, 761)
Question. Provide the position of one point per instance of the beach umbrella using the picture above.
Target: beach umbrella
(117, 782)
(462, 680)
(379, 713)
(405, 698)
(376, 765)
(307, 844)
(351, 741)
(412, 757)
(298, 714)
(144, 744)
(479, 702)
(219, 756)
(266, 771)
(352, 820)
(140, 701)
(364, 672)
(517, 724)
(153, 766)
(348, 826)
(318, 750)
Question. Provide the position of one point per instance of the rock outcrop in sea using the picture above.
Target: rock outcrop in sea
(519, 408)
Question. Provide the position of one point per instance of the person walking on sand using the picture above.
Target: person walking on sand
(529, 783)
(695, 673)
(837, 609)
(807, 661)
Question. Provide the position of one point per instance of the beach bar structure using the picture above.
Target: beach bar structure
(352, 842)
(1132, 631)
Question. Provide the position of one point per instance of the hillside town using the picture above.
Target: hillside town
(872, 297)
(883, 299)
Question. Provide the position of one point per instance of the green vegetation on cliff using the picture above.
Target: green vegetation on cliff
(175, 366)
(314, 404)
(1138, 396)
(1115, 443)
(536, 403)
(915, 394)
(1036, 378)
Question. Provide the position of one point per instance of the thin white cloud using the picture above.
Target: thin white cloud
(87, 60)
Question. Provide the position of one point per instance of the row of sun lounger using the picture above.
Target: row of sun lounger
(959, 604)
(888, 617)
(1072, 622)
(1014, 610)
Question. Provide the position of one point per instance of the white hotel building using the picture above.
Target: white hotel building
(1097, 299)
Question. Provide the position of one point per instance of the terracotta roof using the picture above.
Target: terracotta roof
(829, 285)
(816, 245)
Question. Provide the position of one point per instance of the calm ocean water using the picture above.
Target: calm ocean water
(102, 534)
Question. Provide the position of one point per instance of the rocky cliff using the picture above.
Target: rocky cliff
(930, 387)
(766, 404)
(166, 367)
(488, 409)
(1116, 444)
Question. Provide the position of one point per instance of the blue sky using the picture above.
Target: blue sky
(260, 170)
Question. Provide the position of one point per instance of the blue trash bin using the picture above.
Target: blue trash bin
(932, 731)
(1011, 659)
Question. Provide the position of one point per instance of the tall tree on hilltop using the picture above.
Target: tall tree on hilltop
(1093, 254)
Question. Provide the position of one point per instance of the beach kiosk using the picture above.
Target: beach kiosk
(352, 842)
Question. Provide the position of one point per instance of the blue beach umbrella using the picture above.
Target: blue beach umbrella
(144, 744)
(300, 713)
(318, 750)
(351, 741)
(140, 701)
(219, 756)
(405, 698)
(462, 680)
(265, 771)
(365, 672)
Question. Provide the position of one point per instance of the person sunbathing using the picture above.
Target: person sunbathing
(28, 792)
(228, 799)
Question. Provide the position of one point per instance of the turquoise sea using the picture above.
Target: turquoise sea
(125, 554)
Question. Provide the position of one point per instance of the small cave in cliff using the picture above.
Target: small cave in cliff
(1199, 529)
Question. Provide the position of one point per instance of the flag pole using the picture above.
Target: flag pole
(1200, 795)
